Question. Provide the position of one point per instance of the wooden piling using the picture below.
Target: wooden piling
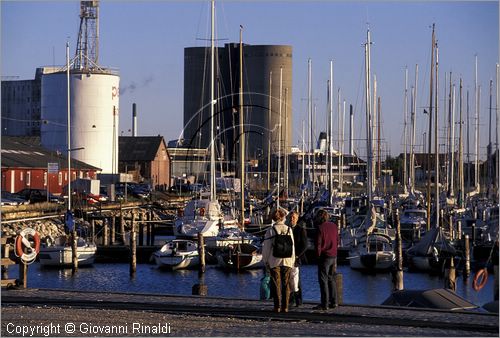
(398, 280)
(450, 276)
(23, 275)
(201, 289)
(105, 238)
(122, 226)
(113, 229)
(467, 257)
(141, 229)
(441, 218)
(74, 252)
(340, 288)
(344, 221)
(450, 224)
(201, 252)
(148, 228)
(92, 226)
(133, 247)
(459, 229)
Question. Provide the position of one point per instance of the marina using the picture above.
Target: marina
(240, 207)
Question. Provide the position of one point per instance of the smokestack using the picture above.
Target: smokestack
(134, 119)
(351, 132)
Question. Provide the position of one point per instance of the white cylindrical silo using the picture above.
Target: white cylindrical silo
(94, 105)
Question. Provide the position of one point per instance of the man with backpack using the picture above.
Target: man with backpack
(278, 254)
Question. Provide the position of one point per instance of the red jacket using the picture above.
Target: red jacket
(327, 240)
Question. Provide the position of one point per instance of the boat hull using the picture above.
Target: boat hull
(62, 256)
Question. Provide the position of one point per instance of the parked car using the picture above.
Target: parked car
(9, 198)
(38, 196)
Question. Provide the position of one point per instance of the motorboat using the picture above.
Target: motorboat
(177, 254)
(240, 256)
(58, 252)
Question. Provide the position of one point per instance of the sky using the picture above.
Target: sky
(145, 41)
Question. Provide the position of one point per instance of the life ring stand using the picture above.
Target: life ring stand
(202, 212)
(480, 279)
(24, 248)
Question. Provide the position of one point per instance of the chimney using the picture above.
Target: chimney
(134, 119)
(351, 132)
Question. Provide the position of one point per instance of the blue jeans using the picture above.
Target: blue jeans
(327, 268)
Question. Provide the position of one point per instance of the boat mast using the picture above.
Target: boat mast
(373, 125)
(413, 124)
(490, 146)
(476, 162)
(330, 153)
(242, 136)
(368, 118)
(279, 138)
(309, 132)
(269, 134)
(436, 140)
(460, 153)
(431, 82)
(497, 158)
(68, 107)
(468, 143)
(212, 102)
(339, 187)
(341, 180)
(405, 108)
(452, 146)
(285, 141)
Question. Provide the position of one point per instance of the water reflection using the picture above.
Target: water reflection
(358, 288)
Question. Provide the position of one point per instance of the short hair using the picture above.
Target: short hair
(279, 214)
(292, 213)
(322, 216)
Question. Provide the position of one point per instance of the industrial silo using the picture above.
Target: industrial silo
(94, 106)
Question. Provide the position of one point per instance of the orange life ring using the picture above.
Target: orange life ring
(480, 279)
(24, 248)
(202, 211)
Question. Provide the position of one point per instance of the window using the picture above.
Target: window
(45, 178)
(60, 178)
(21, 176)
(28, 178)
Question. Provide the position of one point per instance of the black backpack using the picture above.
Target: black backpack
(282, 245)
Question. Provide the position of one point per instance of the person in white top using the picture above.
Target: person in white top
(280, 267)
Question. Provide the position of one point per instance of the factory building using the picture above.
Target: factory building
(261, 78)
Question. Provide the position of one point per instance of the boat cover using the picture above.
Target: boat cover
(444, 299)
(432, 238)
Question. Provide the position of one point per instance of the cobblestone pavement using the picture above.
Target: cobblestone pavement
(48, 315)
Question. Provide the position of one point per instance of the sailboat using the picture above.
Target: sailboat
(58, 251)
(371, 242)
(205, 216)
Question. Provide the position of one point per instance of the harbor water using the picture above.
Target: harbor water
(358, 287)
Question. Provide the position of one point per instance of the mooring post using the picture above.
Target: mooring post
(133, 248)
(450, 276)
(344, 221)
(141, 229)
(148, 227)
(113, 229)
(201, 289)
(459, 229)
(105, 238)
(452, 233)
(74, 253)
(153, 228)
(23, 274)
(122, 225)
(467, 257)
(92, 226)
(398, 273)
(339, 284)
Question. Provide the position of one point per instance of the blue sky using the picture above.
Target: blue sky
(145, 40)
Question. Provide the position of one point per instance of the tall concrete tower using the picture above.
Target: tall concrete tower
(260, 62)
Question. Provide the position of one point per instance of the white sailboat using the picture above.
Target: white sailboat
(177, 254)
(205, 216)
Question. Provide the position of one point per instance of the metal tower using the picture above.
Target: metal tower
(87, 46)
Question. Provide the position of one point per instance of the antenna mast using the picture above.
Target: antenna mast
(87, 46)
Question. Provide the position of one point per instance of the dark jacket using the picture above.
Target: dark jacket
(300, 240)
(327, 240)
